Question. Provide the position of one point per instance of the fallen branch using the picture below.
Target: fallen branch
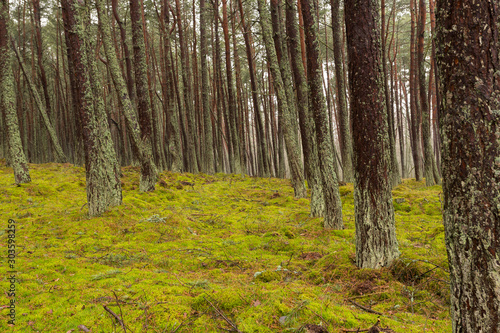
(233, 325)
(117, 317)
(365, 308)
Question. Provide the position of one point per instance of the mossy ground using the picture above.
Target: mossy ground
(240, 244)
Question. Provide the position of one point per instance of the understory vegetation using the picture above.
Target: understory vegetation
(211, 253)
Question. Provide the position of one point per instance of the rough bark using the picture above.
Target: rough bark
(468, 44)
(284, 110)
(141, 148)
(101, 166)
(306, 121)
(344, 126)
(376, 244)
(333, 205)
(17, 158)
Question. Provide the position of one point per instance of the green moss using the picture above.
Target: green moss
(167, 248)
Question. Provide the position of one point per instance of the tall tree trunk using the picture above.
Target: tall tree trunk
(141, 147)
(333, 204)
(396, 177)
(234, 159)
(467, 44)
(376, 244)
(343, 118)
(17, 158)
(262, 155)
(101, 166)
(187, 93)
(414, 105)
(285, 112)
(208, 148)
(306, 121)
(426, 130)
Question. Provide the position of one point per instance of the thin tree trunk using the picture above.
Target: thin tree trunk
(209, 166)
(285, 112)
(333, 204)
(141, 147)
(343, 118)
(426, 131)
(306, 121)
(61, 157)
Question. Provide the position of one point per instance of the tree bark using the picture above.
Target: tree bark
(284, 110)
(376, 244)
(468, 45)
(429, 160)
(101, 166)
(333, 204)
(17, 157)
(306, 121)
(208, 148)
(141, 147)
(343, 119)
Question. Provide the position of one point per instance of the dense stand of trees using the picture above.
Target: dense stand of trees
(251, 87)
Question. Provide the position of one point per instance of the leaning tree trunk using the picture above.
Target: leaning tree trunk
(101, 165)
(284, 111)
(141, 147)
(8, 101)
(60, 157)
(333, 205)
(306, 121)
(468, 44)
(376, 244)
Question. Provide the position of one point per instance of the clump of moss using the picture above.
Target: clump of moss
(268, 276)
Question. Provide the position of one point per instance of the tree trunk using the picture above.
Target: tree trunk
(140, 147)
(234, 158)
(101, 166)
(60, 157)
(285, 113)
(376, 244)
(426, 130)
(343, 119)
(17, 157)
(467, 43)
(187, 93)
(208, 148)
(262, 155)
(396, 177)
(306, 121)
(333, 205)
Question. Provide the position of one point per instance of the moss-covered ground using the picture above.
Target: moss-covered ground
(203, 247)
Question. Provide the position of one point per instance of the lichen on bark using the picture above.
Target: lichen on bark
(8, 101)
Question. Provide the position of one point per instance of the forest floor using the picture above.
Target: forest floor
(210, 253)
